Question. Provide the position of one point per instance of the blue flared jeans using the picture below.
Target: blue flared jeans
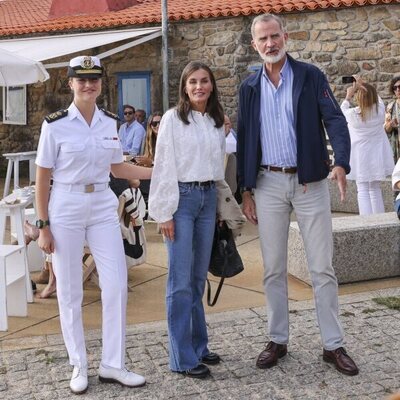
(188, 260)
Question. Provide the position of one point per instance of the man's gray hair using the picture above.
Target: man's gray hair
(265, 18)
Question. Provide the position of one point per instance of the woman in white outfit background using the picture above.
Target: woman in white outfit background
(371, 159)
(78, 148)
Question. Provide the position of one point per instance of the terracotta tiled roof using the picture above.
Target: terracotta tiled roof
(18, 17)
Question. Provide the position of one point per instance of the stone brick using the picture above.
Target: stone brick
(195, 44)
(221, 73)
(377, 14)
(392, 24)
(322, 17)
(377, 36)
(347, 68)
(313, 46)
(220, 38)
(314, 35)
(350, 15)
(369, 53)
(391, 65)
(367, 66)
(334, 25)
(230, 48)
(220, 51)
(299, 35)
(329, 47)
(331, 69)
(327, 36)
(295, 46)
(360, 26)
(323, 58)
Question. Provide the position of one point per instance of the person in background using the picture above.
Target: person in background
(183, 199)
(131, 133)
(78, 148)
(147, 159)
(230, 156)
(153, 124)
(283, 161)
(231, 137)
(371, 158)
(396, 186)
(140, 116)
(392, 117)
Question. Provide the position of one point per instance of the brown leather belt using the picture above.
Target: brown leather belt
(285, 170)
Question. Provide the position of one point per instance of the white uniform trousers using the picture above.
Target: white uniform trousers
(74, 218)
(277, 194)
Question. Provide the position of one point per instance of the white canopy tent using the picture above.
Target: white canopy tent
(48, 47)
(17, 70)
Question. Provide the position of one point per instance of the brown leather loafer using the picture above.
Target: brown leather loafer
(342, 361)
(269, 357)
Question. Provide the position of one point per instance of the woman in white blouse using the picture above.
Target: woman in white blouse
(189, 159)
(371, 157)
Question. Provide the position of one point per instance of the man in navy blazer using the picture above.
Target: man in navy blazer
(283, 162)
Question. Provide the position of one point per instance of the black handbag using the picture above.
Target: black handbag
(225, 260)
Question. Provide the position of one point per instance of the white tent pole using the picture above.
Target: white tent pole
(164, 29)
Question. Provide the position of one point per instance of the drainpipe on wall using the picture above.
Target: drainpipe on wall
(164, 29)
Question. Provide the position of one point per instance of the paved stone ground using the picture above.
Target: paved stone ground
(37, 368)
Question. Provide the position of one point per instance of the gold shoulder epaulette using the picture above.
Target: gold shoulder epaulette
(110, 114)
(56, 115)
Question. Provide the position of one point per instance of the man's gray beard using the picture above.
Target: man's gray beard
(274, 59)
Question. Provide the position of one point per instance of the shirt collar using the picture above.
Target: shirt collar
(73, 112)
(284, 72)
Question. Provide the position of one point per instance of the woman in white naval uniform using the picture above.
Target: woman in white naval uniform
(189, 158)
(77, 149)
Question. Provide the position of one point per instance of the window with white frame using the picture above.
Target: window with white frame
(13, 105)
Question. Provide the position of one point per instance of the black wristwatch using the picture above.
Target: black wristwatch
(246, 189)
(40, 224)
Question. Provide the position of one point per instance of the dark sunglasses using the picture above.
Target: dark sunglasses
(396, 87)
(154, 123)
(128, 112)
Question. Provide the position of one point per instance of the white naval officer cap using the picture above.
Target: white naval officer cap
(85, 67)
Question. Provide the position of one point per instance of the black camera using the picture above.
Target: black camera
(348, 79)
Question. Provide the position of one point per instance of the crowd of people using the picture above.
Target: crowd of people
(285, 111)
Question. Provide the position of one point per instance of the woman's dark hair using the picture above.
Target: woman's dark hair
(151, 138)
(213, 108)
(392, 82)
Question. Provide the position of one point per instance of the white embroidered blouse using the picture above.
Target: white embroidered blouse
(184, 153)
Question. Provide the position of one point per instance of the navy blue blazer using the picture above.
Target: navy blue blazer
(315, 110)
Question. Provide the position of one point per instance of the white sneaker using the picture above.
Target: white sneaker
(79, 380)
(122, 376)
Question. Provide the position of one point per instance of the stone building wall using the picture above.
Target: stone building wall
(362, 40)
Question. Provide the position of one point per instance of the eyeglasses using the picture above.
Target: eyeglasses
(396, 87)
(128, 112)
(154, 123)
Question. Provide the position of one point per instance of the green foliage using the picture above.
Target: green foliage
(392, 302)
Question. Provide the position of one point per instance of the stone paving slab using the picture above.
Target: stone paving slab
(39, 369)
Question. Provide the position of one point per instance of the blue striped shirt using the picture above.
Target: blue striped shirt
(278, 136)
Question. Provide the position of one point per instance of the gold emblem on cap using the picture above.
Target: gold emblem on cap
(87, 63)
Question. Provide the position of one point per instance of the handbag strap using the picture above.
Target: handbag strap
(214, 301)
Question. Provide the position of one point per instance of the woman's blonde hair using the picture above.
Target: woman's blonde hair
(151, 137)
(366, 99)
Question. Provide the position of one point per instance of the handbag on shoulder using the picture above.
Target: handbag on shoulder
(225, 260)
